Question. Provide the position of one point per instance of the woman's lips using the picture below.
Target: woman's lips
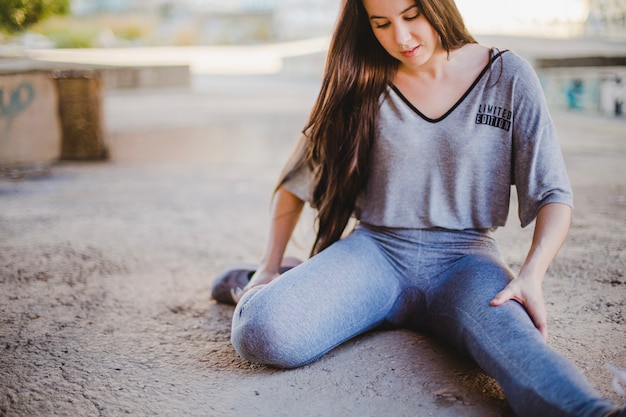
(410, 52)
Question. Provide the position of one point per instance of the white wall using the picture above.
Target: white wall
(299, 19)
(529, 17)
(560, 18)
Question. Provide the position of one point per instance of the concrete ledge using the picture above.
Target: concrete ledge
(309, 65)
(162, 76)
(114, 76)
(583, 61)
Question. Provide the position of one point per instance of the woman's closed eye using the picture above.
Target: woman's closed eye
(412, 17)
(385, 24)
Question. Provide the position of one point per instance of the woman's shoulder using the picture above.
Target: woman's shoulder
(511, 61)
(512, 69)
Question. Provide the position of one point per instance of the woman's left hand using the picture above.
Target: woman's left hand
(551, 227)
(529, 294)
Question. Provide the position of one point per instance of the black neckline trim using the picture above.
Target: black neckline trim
(459, 101)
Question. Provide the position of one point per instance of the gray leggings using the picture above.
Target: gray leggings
(422, 279)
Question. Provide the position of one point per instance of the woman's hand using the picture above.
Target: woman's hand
(529, 294)
(261, 277)
(551, 228)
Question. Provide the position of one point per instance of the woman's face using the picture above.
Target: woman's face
(403, 31)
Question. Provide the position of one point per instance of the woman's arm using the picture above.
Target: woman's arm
(286, 210)
(551, 228)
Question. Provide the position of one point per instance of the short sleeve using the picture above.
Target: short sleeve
(297, 176)
(539, 171)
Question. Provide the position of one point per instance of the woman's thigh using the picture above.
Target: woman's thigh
(344, 291)
(459, 300)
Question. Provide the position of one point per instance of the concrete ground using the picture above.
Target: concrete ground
(105, 271)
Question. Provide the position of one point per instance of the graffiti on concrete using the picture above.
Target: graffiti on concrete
(14, 102)
(574, 93)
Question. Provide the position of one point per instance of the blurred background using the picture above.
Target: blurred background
(156, 64)
(116, 23)
(182, 114)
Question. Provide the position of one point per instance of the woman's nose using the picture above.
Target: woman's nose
(403, 36)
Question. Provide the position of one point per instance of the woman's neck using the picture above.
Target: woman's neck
(443, 64)
(433, 69)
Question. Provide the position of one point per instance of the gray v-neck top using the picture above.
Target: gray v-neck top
(456, 172)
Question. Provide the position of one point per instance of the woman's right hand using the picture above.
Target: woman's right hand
(262, 276)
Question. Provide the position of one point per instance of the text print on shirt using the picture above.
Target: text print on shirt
(495, 116)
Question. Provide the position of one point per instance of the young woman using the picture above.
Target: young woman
(419, 132)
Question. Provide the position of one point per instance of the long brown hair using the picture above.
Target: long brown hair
(341, 127)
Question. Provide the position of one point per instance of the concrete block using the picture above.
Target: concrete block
(30, 129)
(80, 95)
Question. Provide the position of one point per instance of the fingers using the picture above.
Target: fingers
(259, 278)
(502, 297)
(236, 293)
(538, 314)
(531, 299)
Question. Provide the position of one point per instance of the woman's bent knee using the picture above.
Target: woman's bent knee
(259, 336)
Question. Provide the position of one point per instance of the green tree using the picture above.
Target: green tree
(18, 15)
